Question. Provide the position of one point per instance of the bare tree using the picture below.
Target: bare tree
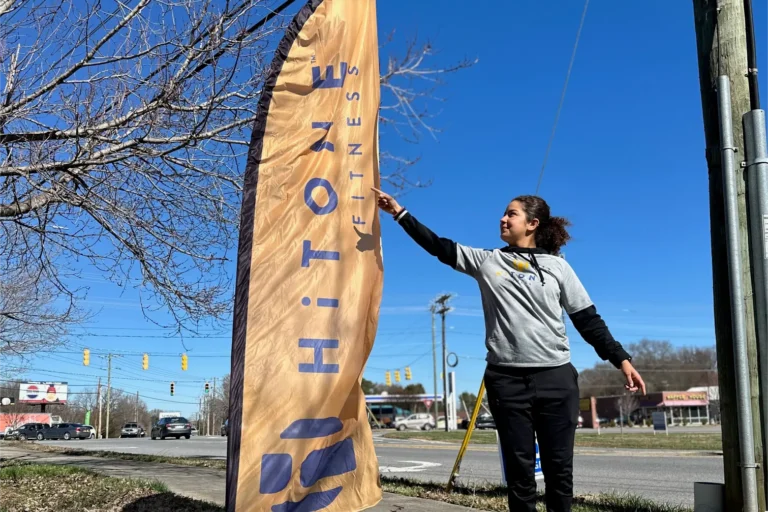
(663, 367)
(626, 404)
(123, 131)
(29, 317)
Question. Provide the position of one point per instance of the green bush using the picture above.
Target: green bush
(704, 421)
(630, 423)
(612, 423)
(648, 422)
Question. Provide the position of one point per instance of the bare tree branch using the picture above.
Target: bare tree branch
(123, 132)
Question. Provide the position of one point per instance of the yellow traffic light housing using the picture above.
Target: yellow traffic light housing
(86, 357)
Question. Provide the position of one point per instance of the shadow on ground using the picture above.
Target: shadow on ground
(168, 502)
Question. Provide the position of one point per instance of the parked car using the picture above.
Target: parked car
(132, 430)
(87, 431)
(420, 421)
(90, 430)
(29, 431)
(171, 427)
(194, 430)
(66, 431)
(485, 421)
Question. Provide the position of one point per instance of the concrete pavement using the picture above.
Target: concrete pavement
(199, 483)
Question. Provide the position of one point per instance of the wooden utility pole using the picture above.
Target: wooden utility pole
(442, 309)
(109, 390)
(214, 404)
(722, 50)
(98, 395)
(435, 403)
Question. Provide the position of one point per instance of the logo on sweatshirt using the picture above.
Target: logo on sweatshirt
(521, 266)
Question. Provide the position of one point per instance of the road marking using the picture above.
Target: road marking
(419, 466)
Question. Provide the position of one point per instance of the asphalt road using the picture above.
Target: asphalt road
(665, 479)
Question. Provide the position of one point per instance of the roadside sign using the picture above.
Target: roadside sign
(43, 393)
(538, 474)
(428, 403)
(659, 422)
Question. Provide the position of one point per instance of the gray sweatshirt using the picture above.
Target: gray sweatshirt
(524, 293)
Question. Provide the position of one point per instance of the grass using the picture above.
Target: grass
(644, 441)
(51, 488)
(494, 498)
(178, 461)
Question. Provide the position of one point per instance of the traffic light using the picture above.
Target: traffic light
(388, 379)
(207, 388)
(184, 361)
(172, 388)
(397, 375)
(145, 362)
(407, 373)
(86, 357)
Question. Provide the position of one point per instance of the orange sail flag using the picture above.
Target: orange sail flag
(309, 273)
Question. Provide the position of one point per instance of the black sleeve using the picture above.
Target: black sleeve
(594, 331)
(444, 249)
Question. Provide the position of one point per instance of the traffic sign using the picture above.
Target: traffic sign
(428, 403)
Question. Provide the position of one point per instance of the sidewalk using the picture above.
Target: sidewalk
(198, 483)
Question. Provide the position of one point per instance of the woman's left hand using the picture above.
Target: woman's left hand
(634, 380)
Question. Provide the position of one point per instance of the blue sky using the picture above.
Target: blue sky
(627, 168)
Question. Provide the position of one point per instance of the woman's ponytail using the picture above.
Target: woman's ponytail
(551, 234)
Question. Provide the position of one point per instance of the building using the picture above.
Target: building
(690, 407)
(681, 407)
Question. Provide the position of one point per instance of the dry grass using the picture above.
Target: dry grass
(53, 488)
(495, 498)
(179, 461)
(710, 442)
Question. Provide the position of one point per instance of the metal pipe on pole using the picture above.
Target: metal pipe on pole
(756, 150)
(744, 411)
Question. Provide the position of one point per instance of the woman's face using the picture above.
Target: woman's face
(514, 225)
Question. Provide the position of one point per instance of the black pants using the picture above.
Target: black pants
(544, 401)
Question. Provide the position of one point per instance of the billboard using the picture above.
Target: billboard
(43, 393)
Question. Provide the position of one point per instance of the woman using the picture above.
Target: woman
(532, 386)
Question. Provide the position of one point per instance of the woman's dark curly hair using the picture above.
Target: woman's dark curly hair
(551, 234)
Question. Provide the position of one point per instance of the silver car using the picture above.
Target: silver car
(422, 421)
(132, 430)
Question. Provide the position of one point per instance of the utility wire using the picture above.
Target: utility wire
(562, 96)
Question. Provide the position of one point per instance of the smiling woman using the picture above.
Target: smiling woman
(532, 386)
